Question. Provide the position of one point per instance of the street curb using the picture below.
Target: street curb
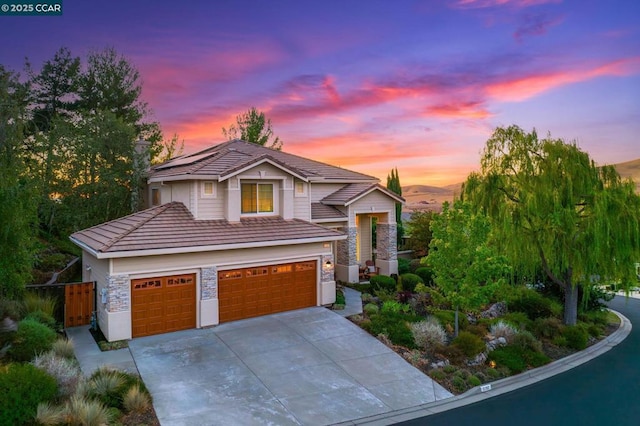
(505, 385)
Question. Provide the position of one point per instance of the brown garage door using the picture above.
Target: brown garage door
(252, 292)
(163, 304)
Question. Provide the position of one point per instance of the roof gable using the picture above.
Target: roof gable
(353, 192)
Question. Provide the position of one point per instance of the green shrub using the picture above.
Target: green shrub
(479, 330)
(548, 328)
(31, 339)
(526, 341)
(533, 304)
(340, 300)
(450, 369)
(382, 282)
(470, 344)
(492, 373)
(403, 266)
(474, 381)
(459, 384)
(517, 359)
(414, 264)
(426, 274)
(395, 325)
(23, 387)
(43, 318)
(409, 281)
(108, 386)
(385, 295)
(576, 336)
(437, 374)
(393, 306)
(371, 309)
(559, 341)
(519, 320)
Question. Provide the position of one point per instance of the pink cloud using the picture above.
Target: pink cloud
(525, 87)
(474, 110)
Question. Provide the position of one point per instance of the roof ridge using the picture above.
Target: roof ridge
(160, 209)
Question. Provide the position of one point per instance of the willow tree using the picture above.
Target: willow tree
(553, 209)
(466, 268)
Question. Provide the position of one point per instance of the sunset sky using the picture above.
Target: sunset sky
(369, 85)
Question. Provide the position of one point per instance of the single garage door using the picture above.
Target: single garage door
(252, 292)
(163, 304)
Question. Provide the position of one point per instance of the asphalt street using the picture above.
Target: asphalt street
(603, 391)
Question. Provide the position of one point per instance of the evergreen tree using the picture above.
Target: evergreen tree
(17, 197)
(393, 185)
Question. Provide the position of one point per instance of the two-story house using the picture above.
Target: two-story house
(235, 231)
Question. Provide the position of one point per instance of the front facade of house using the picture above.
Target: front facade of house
(232, 232)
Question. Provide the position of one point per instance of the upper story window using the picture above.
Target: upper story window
(257, 198)
(155, 196)
(300, 189)
(208, 189)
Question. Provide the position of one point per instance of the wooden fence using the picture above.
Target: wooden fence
(75, 302)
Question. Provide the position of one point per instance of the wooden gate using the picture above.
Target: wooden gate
(78, 301)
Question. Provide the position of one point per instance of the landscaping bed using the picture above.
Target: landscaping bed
(522, 331)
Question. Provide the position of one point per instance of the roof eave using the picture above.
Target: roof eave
(198, 249)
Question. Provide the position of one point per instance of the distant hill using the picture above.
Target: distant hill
(425, 197)
(630, 169)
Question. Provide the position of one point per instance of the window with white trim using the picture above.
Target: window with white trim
(208, 189)
(300, 189)
(257, 198)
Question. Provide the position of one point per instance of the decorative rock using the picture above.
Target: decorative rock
(440, 364)
(481, 358)
(496, 310)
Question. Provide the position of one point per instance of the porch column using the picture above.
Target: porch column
(387, 248)
(347, 265)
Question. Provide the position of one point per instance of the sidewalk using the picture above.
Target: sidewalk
(91, 357)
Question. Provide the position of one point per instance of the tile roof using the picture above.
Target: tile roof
(320, 211)
(224, 158)
(172, 226)
(350, 193)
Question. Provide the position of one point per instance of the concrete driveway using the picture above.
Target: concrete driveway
(309, 367)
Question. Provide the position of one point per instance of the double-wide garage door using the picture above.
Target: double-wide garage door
(252, 292)
(163, 304)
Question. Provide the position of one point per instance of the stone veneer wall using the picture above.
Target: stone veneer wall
(209, 285)
(347, 248)
(118, 293)
(387, 241)
(327, 273)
